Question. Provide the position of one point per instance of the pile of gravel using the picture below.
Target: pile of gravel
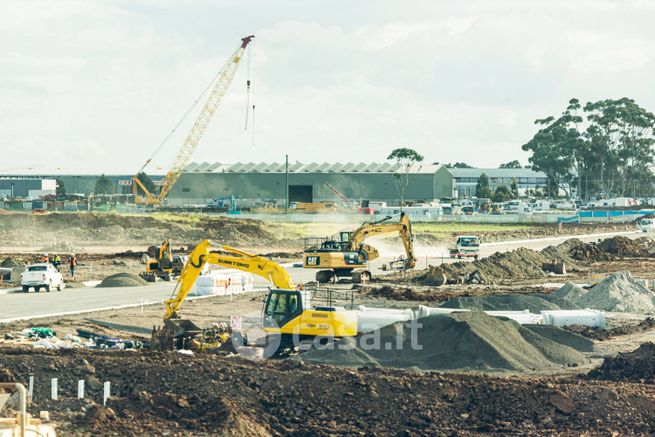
(459, 341)
(619, 292)
(122, 280)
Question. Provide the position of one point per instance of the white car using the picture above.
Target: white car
(42, 275)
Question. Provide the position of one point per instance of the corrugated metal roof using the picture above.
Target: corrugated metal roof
(298, 167)
(496, 172)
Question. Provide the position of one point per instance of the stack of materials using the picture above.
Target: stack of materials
(223, 282)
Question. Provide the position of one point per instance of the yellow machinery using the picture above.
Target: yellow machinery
(288, 311)
(348, 256)
(167, 266)
(193, 138)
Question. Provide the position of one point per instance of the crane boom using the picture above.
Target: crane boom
(193, 138)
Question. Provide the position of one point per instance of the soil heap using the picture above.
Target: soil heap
(518, 264)
(619, 292)
(461, 341)
(231, 395)
(622, 247)
(635, 366)
(122, 280)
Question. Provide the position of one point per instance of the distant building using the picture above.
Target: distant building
(84, 183)
(27, 187)
(254, 183)
(461, 182)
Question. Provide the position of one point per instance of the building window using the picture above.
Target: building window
(186, 190)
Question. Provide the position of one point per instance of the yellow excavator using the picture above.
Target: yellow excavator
(349, 255)
(166, 266)
(288, 315)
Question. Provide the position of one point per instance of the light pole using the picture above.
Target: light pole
(286, 184)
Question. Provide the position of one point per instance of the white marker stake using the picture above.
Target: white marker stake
(30, 388)
(105, 394)
(53, 389)
(80, 389)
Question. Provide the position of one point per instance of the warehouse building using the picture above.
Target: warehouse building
(256, 183)
(27, 187)
(461, 182)
(76, 183)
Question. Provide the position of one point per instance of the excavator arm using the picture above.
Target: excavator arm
(403, 227)
(240, 260)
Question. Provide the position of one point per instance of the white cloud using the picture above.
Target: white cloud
(97, 84)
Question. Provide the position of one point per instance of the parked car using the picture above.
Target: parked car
(42, 275)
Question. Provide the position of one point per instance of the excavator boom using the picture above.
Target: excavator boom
(403, 227)
(244, 261)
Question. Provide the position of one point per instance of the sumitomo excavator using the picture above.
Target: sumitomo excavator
(348, 256)
(288, 313)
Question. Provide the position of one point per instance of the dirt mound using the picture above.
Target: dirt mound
(619, 292)
(518, 264)
(462, 341)
(564, 253)
(569, 296)
(581, 251)
(622, 247)
(83, 228)
(122, 280)
(636, 366)
(603, 334)
(283, 397)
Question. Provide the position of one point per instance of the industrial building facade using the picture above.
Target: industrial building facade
(253, 184)
(256, 184)
(461, 182)
(27, 187)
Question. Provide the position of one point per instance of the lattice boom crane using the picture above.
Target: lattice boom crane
(193, 138)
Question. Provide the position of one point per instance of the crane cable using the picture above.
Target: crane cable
(249, 72)
(253, 97)
(177, 125)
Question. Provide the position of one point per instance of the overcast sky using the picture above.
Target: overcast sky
(94, 86)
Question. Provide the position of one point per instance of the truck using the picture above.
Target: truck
(466, 246)
(42, 275)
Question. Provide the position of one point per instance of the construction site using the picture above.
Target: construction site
(320, 299)
(553, 334)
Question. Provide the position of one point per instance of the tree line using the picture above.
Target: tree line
(603, 149)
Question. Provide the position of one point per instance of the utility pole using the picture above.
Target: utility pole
(286, 184)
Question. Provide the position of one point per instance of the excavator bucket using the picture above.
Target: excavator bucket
(182, 328)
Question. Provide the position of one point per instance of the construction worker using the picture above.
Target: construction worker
(44, 258)
(56, 261)
(72, 262)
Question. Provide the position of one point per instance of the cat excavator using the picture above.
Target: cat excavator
(288, 315)
(349, 255)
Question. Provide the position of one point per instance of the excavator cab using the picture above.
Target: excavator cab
(281, 307)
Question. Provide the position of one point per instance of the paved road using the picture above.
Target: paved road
(23, 306)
